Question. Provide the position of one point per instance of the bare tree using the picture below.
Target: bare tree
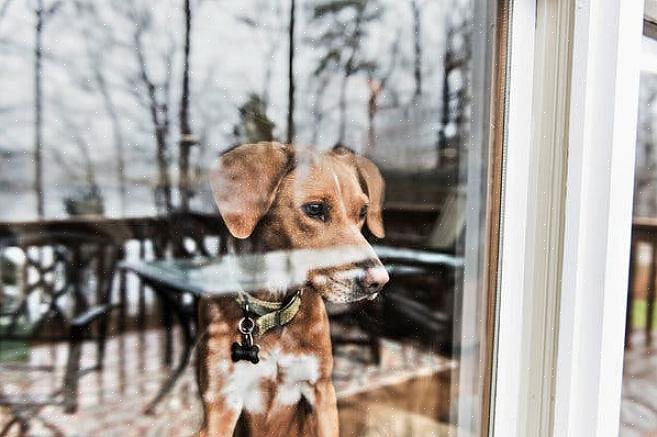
(187, 139)
(84, 170)
(343, 38)
(206, 99)
(377, 81)
(157, 99)
(42, 15)
(98, 67)
(38, 110)
(117, 131)
(270, 28)
(455, 97)
(318, 114)
(290, 79)
(416, 11)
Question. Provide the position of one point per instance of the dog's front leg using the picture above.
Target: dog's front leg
(219, 421)
(327, 409)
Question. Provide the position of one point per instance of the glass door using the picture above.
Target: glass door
(118, 119)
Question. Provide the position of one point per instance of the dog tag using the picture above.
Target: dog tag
(247, 350)
(244, 352)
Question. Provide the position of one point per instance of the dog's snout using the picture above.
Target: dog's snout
(374, 278)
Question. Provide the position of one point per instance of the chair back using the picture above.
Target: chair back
(59, 276)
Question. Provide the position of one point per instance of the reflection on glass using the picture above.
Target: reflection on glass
(126, 234)
(638, 381)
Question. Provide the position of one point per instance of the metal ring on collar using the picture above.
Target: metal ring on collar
(248, 329)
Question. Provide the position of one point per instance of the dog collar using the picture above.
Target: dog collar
(270, 315)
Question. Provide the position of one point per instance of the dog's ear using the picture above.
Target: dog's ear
(373, 184)
(375, 187)
(244, 183)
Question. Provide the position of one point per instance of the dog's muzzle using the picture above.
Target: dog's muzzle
(373, 279)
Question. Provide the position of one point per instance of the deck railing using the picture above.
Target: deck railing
(641, 282)
(177, 235)
(146, 238)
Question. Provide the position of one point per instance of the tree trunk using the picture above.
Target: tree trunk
(269, 70)
(163, 190)
(38, 110)
(159, 118)
(376, 87)
(117, 134)
(445, 100)
(95, 55)
(318, 115)
(342, 127)
(417, 49)
(290, 92)
(120, 158)
(372, 107)
(186, 139)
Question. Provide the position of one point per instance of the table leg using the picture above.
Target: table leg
(167, 321)
(123, 300)
(186, 320)
(141, 303)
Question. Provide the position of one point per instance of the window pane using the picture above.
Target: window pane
(286, 199)
(638, 379)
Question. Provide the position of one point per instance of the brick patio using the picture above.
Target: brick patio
(414, 383)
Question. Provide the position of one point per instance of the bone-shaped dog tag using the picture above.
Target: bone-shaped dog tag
(245, 352)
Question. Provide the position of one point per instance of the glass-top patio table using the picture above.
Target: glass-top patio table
(180, 283)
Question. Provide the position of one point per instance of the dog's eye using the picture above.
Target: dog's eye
(363, 212)
(316, 210)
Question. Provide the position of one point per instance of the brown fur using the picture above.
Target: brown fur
(260, 190)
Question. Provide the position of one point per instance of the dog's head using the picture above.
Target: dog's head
(292, 199)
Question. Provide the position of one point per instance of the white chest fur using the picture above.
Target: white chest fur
(294, 376)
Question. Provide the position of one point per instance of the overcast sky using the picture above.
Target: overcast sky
(229, 60)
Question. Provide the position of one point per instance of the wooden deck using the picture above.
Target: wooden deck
(411, 385)
(112, 400)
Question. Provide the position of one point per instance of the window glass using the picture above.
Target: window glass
(264, 215)
(639, 350)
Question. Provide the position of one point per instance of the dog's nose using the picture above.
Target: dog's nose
(374, 278)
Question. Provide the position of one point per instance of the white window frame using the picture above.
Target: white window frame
(566, 216)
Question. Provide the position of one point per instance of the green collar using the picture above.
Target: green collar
(270, 314)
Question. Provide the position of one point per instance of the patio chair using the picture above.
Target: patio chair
(418, 299)
(423, 287)
(65, 297)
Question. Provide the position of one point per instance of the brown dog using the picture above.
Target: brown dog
(286, 199)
